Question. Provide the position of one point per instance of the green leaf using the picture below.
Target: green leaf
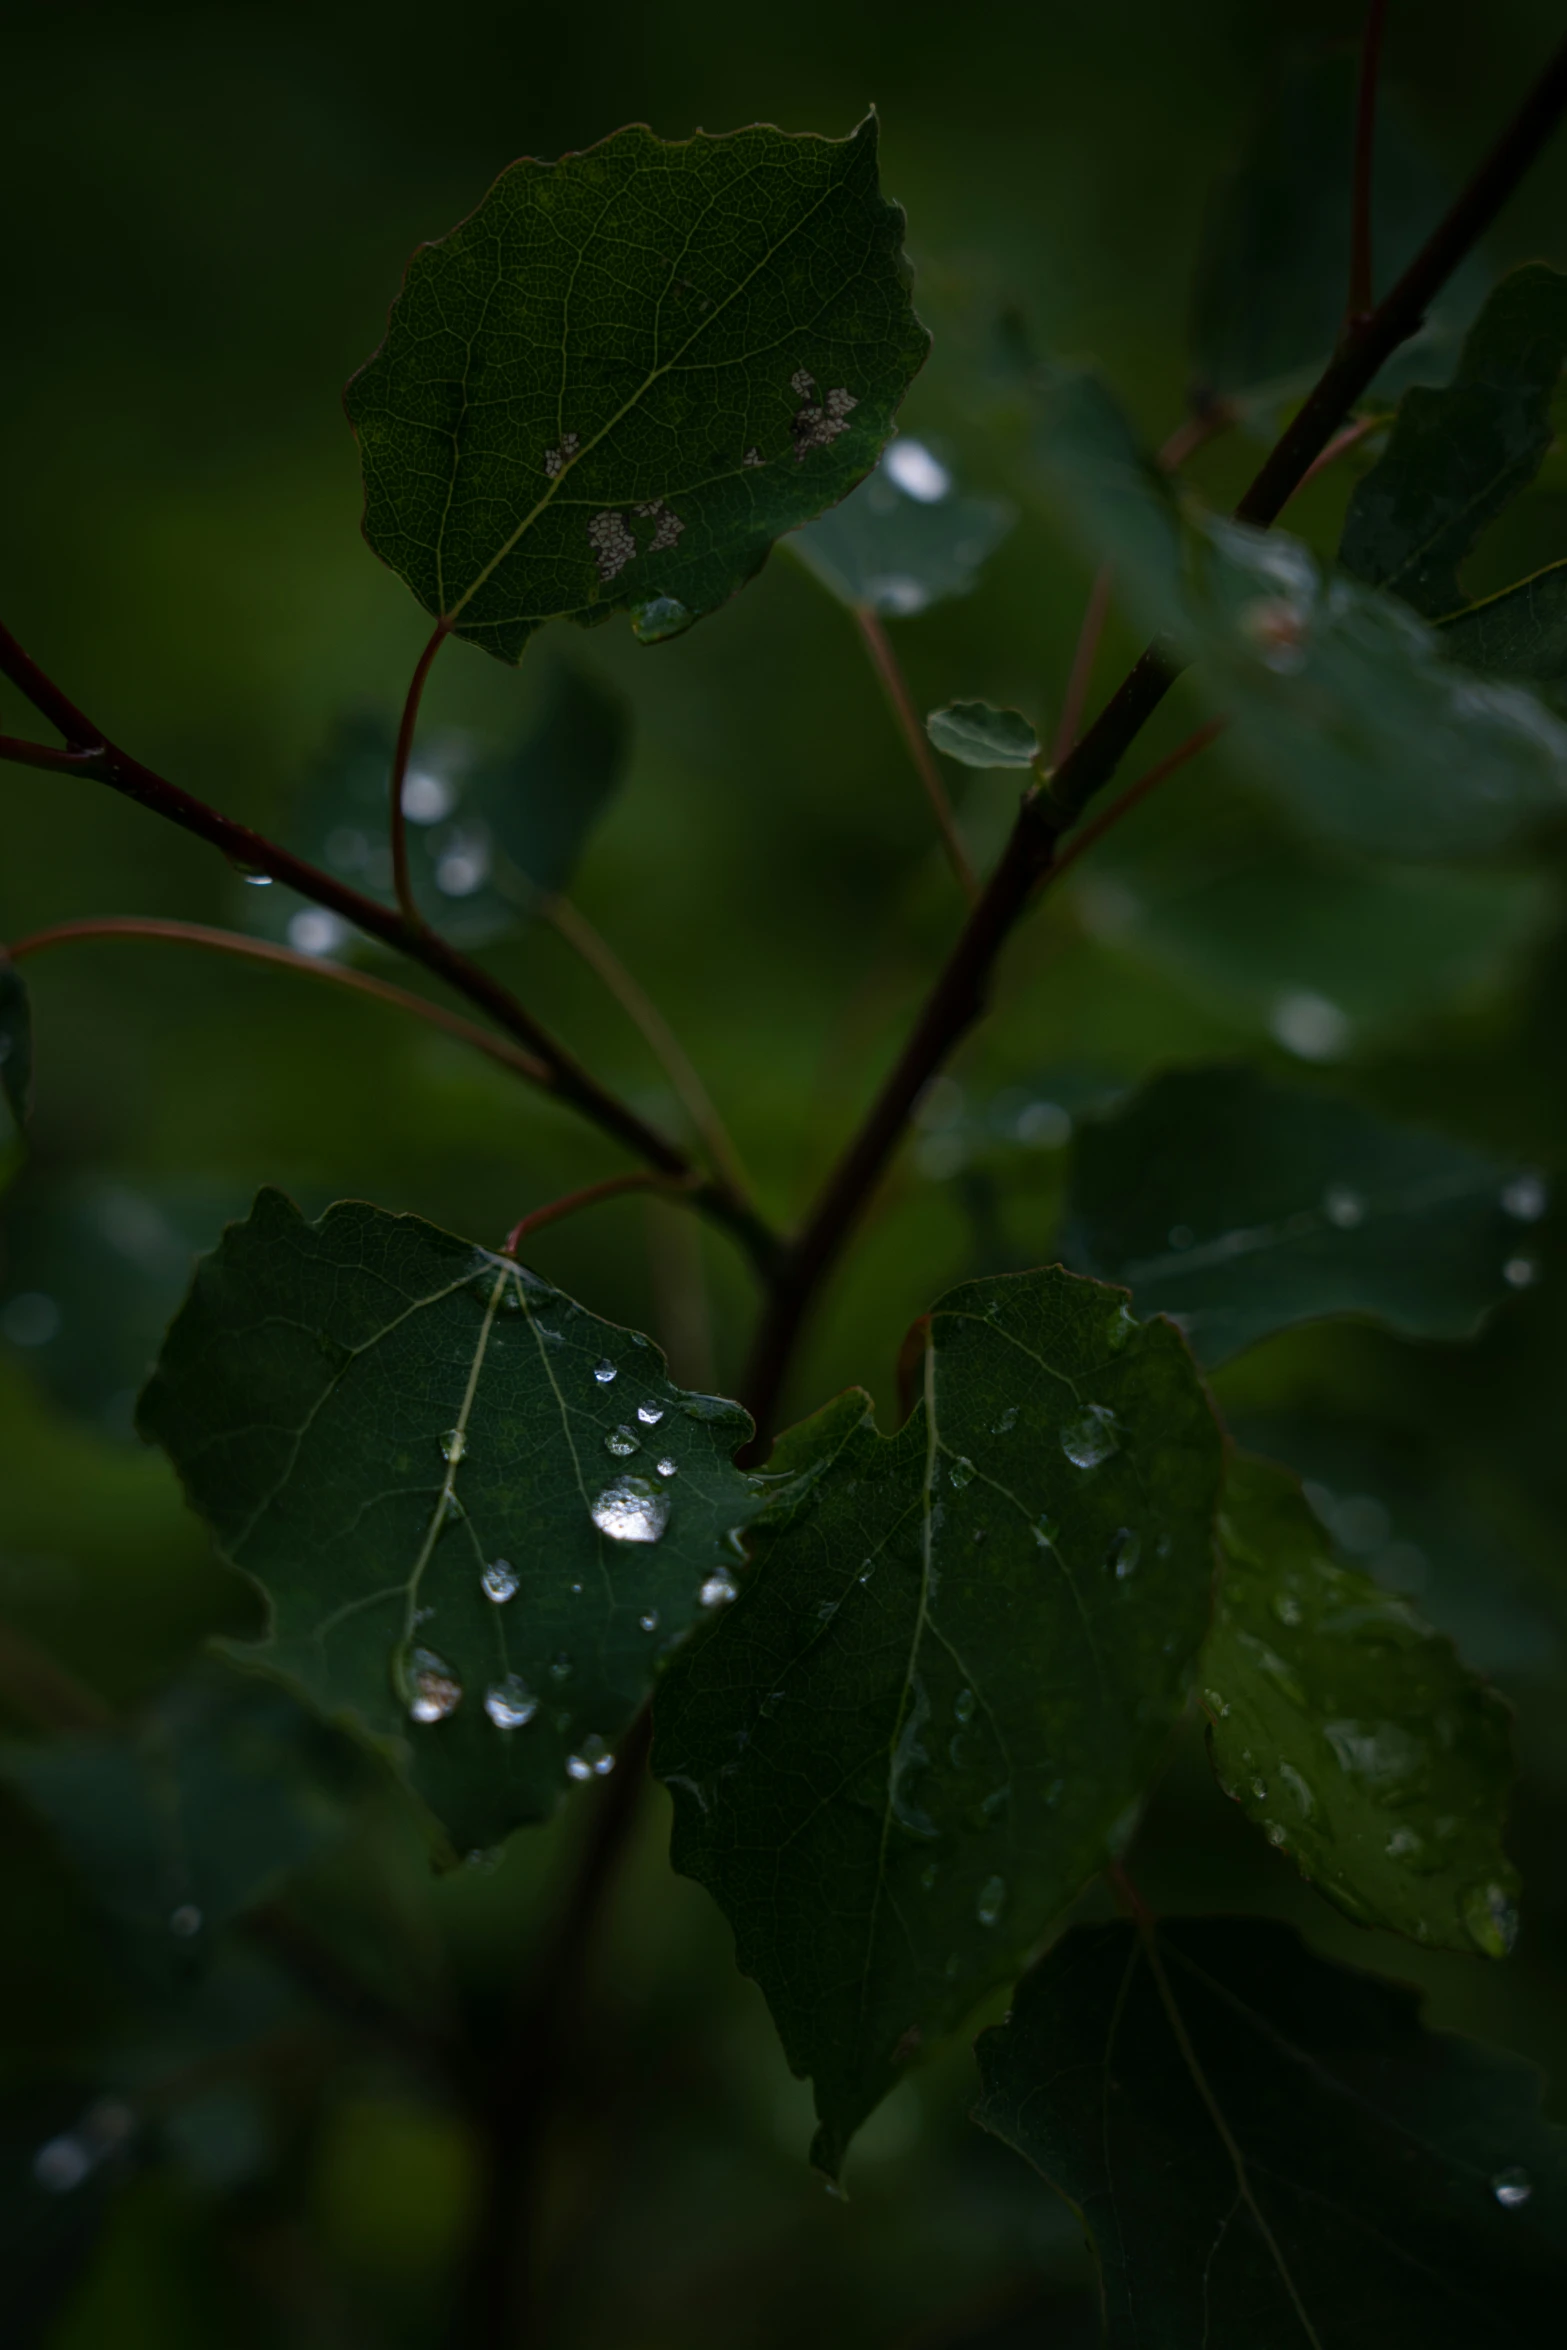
(1521, 633)
(980, 735)
(1345, 708)
(627, 373)
(905, 539)
(195, 1811)
(929, 1717)
(1273, 266)
(449, 1481)
(1109, 494)
(1240, 1207)
(1350, 1732)
(1458, 456)
(490, 833)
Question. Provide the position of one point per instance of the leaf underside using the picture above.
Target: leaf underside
(1350, 1732)
(977, 734)
(627, 373)
(1270, 2152)
(373, 1416)
(930, 1715)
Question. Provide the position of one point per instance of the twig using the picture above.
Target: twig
(587, 1197)
(90, 753)
(886, 665)
(1350, 438)
(1361, 293)
(1126, 801)
(962, 987)
(666, 1048)
(258, 950)
(397, 820)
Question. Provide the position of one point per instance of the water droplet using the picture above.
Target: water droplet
(510, 1703)
(1520, 1272)
(658, 618)
(1126, 1548)
(1343, 1207)
(1045, 1532)
(185, 1921)
(1091, 1438)
(251, 875)
(963, 1705)
(1215, 1703)
(605, 1373)
(916, 472)
(434, 1689)
(1525, 1199)
(928, 1876)
(1511, 2188)
(650, 1414)
(451, 1508)
(719, 1589)
(593, 1759)
(1491, 1919)
(961, 1473)
(313, 931)
(1259, 1788)
(1121, 1326)
(1007, 1422)
(621, 1443)
(1404, 1844)
(499, 1582)
(560, 1667)
(649, 1622)
(1305, 1801)
(1310, 1026)
(453, 1444)
(631, 1510)
(992, 1901)
(1275, 1834)
(667, 1467)
(576, 1591)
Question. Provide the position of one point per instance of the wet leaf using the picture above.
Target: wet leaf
(930, 1715)
(1345, 707)
(1458, 456)
(450, 1482)
(625, 374)
(1241, 1207)
(1269, 2149)
(980, 735)
(1350, 1732)
(1522, 633)
(196, 1810)
(905, 539)
(1273, 268)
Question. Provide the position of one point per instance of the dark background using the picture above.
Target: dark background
(206, 212)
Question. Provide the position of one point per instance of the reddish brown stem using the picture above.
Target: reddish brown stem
(1084, 655)
(1082, 841)
(258, 950)
(396, 815)
(1361, 294)
(885, 661)
(587, 1197)
(1351, 436)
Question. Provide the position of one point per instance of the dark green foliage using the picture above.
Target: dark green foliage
(932, 1713)
(1520, 633)
(904, 540)
(374, 1417)
(1267, 2149)
(1458, 456)
(627, 373)
(1350, 1732)
(1241, 1206)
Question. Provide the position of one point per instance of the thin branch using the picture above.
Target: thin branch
(588, 1197)
(886, 665)
(257, 950)
(666, 1048)
(252, 852)
(1085, 654)
(1194, 432)
(1361, 293)
(48, 756)
(962, 988)
(1126, 801)
(396, 818)
(1350, 438)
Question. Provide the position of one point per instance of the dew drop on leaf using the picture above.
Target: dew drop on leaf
(719, 1589)
(650, 1414)
(605, 1373)
(961, 1472)
(963, 1705)
(1126, 1549)
(1511, 2188)
(434, 1689)
(631, 1510)
(667, 1467)
(992, 1901)
(1091, 1437)
(499, 1581)
(560, 1667)
(592, 1760)
(621, 1443)
(510, 1703)
(1491, 1918)
(649, 1622)
(453, 1444)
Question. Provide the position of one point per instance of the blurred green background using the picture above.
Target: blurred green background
(206, 213)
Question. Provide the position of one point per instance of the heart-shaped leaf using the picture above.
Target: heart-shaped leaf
(1458, 456)
(479, 1514)
(905, 539)
(980, 735)
(1351, 1733)
(1266, 2149)
(1240, 1207)
(931, 1714)
(627, 373)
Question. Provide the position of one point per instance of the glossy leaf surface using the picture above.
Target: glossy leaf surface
(1521, 633)
(1349, 1731)
(1267, 2149)
(1240, 1207)
(905, 539)
(930, 1715)
(979, 735)
(479, 1514)
(627, 373)
(1459, 455)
